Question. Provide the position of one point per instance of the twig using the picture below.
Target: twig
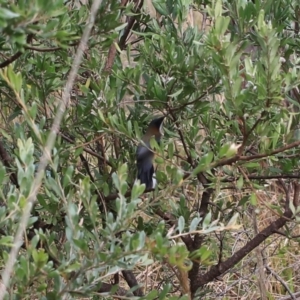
(294, 295)
(106, 288)
(122, 42)
(278, 278)
(220, 269)
(46, 156)
(247, 134)
(220, 238)
(87, 168)
(87, 150)
(276, 151)
(261, 278)
(231, 179)
(11, 59)
(16, 55)
(48, 49)
(296, 194)
(263, 177)
(6, 160)
(132, 282)
(231, 160)
(209, 89)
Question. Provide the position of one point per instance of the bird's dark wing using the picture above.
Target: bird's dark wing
(144, 157)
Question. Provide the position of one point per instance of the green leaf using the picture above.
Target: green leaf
(8, 14)
(194, 224)
(165, 291)
(40, 257)
(160, 6)
(177, 93)
(33, 110)
(73, 267)
(2, 173)
(7, 241)
(240, 183)
(137, 190)
(181, 223)
(204, 163)
(68, 176)
(121, 27)
(233, 220)
(218, 9)
(207, 221)
(116, 181)
(170, 150)
(253, 199)
(221, 25)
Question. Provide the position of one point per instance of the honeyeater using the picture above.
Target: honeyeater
(145, 156)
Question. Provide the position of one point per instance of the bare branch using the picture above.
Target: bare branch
(291, 297)
(18, 240)
(132, 282)
(38, 49)
(278, 278)
(220, 269)
(106, 288)
(6, 160)
(16, 55)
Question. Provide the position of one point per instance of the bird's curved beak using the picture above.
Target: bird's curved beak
(161, 128)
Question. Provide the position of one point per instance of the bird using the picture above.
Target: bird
(145, 156)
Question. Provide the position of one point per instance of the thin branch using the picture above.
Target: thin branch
(19, 53)
(278, 278)
(127, 194)
(258, 177)
(261, 278)
(296, 194)
(87, 168)
(6, 160)
(247, 134)
(194, 244)
(51, 49)
(231, 160)
(87, 150)
(110, 58)
(231, 179)
(294, 296)
(220, 269)
(106, 288)
(122, 42)
(285, 189)
(100, 195)
(209, 89)
(276, 151)
(220, 237)
(10, 60)
(132, 282)
(16, 55)
(124, 37)
(46, 156)
(42, 49)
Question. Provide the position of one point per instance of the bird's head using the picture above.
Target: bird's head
(155, 128)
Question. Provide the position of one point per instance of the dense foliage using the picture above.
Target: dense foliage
(225, 74)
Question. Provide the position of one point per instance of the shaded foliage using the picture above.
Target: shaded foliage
(225, 75)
